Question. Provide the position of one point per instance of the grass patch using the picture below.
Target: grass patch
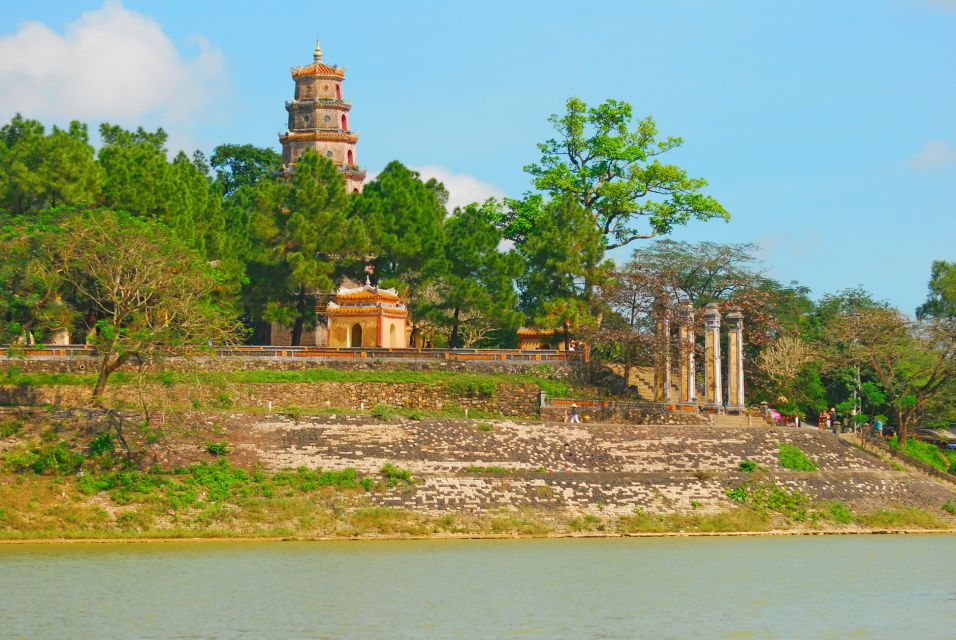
(792, 457)
(901, 519)
(521, 524)
(485, 426)
(950, 508)
(740, 519)
(474, 469)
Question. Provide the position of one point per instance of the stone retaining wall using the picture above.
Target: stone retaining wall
(507, 399)
(570, 371)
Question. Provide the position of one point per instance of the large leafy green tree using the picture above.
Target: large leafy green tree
(563, 256)
(941, 301)
(302, 229)
(475, 293)
(149, 295)
(38, 171)
(404, 218)
(243, 165)
(613, 170)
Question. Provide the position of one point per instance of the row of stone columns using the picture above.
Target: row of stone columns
(687, 365)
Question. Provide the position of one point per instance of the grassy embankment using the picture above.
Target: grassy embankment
(927, 453)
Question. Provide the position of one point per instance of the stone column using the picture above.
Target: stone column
(735, 361)
(688, 362)
(713, 382)
(662, 350)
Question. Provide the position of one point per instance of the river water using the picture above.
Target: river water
(788, 587)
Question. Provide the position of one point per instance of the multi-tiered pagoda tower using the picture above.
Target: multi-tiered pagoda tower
(319, 119)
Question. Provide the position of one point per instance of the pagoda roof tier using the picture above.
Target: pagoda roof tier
(388, 312)
(318, 136)
(366, 292)
(543, 333)
(343, 105)
(319, 70)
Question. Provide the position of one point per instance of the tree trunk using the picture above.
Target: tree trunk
(903, 425)
(453, 338)
(106, 368)
(299, 319)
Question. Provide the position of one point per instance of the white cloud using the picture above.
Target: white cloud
(935, 154)
(462, 188)
(110, 64)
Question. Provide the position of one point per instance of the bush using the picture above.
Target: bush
(748, 466)
(102, 445)
(484, 426)
(791, 457)
(217, 448)
(840, 513)
(394, 475)
(56, 458)
(950, 508)
(10, 428)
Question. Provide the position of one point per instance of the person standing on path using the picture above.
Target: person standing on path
(575, 418)
(823, 420)
(878, 427)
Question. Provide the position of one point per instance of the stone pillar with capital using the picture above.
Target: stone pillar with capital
(688, 362)
(662, 350)
(735, 361)
(713, 382)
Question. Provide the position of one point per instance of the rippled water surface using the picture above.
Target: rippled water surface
(816, 587)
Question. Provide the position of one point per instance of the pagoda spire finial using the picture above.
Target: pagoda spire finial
(317, 54)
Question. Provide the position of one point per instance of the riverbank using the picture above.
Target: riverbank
(459, 537)
(222, 474)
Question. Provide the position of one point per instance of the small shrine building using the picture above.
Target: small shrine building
(530, 339)
(367, 316)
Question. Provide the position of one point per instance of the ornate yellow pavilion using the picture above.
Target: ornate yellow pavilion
(367, 316)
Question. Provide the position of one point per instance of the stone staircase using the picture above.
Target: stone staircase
(641, 380)
(727, 420)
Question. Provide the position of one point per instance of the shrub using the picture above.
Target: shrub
(485, 426)
(737, 494)
(217, 448)
(840, 513)
(950, 508)
(747, 466)
(10, 428)
(791, 457)
(394, 475)
(49, 457)
(102, 445)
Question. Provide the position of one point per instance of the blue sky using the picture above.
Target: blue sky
(826, 128)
